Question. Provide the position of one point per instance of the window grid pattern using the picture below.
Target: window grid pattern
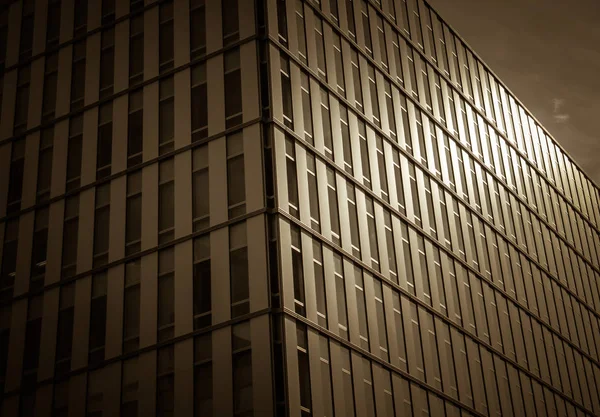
(473, 238)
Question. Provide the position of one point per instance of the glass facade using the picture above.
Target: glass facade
(282, 208)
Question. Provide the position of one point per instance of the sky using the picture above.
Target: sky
(548, 54)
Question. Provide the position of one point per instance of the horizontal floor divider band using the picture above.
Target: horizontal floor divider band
(133, 257)
(141, 351)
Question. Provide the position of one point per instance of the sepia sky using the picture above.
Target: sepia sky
(548, 54)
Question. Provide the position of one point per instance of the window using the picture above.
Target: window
(236, 183)
(131, 307)
(130, 388)
(45, 164)
(135, 135)
(382, 43)
(412, 175)
(383, 183)
(166, 116)
(97, 319)
(361, 306)
(333, 8)
(364, 8)
(321, 62)
(282, 22)
(133, 214)
(346, 141)
(372, 233)
(374, 96)
(202, 283)
(197, 28)
(64, 335)
(60, 405)
(340, 291)
(3, 37)
(135, 5)
(38, 253)
(231, 24)
(199, 103)
(286, 90)
(166, 294)
(292, 177)
(426, 86)
(399, 181)
(80, 19)
(391, 248)
(200, 184)
(313, 192)
(320, 283)
(108, 11)
(358, 97)
(165, 382)
(347, 382)
(70, 237)
(333, 206)
(353, 213)
(368, 385)
(22, 100)
(397, 58)
(307, 108)
(31, 348)
(301, 32)
(53, 25)
(298, 271)
(50, 83)
(326, 121)
(27, 25)
(166, 46)
(339, 65)
(166, 208)
(104, 153)
(303, 368)
(203, 376)
(389, 104)
(136, 49)
(9, 259)
(350, 18)
(242, 370)
(364, 154)
(399, 324)
(101, 225)
(78, 75)
(233, 88)
(107, 62)
(17, 166)
(238, 270)
(383, 341)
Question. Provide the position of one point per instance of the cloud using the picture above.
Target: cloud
(559, 117)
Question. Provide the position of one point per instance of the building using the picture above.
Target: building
(289, 208)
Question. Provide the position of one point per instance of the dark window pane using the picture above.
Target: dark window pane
(203, 391)
(202, 288)
(242, 382)
(236, 185)
(136, 131)
(134, 219)
(239, 275)
(199, 107)
(166, 212)
(230, 21)
(198, 32)
(233, 93)
(200, 191)
(166, 121)
(53, 30)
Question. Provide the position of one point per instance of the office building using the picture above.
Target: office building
(282, 208)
